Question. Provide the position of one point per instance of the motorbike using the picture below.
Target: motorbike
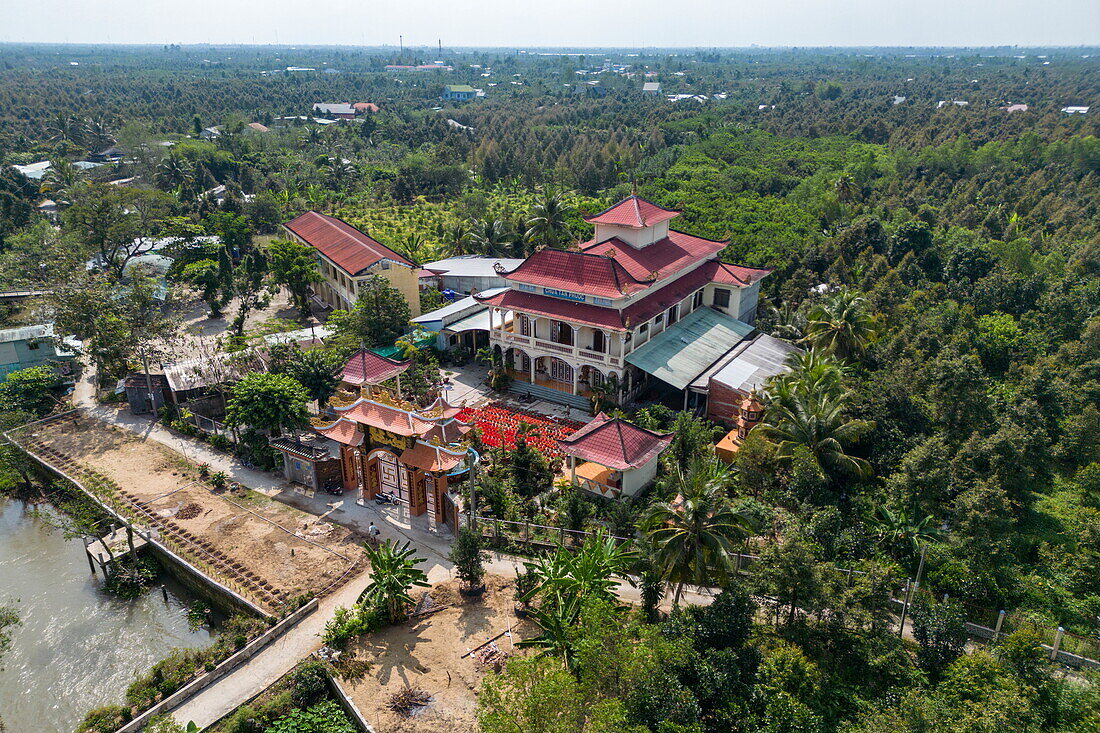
(334, 488)
(385, 498)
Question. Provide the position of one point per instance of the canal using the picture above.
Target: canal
(77, 648)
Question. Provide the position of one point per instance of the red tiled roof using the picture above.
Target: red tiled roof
(430, 458)
(367, 367)
(659, 300)
(544, 305)
(385, 417)
(633, 212)
(665, 257)
(449, 432)
(342, 431)
(445, 408)
(615, 443)
(579, 272)
(365, 107)
(728, 274)
(351, 249)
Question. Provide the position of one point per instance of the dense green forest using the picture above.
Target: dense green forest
(945, 259)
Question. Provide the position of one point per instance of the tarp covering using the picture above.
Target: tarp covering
(689, 347)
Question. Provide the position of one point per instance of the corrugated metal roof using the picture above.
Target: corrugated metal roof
(23, 333)
(689, 347)
(749, 365)
(477, 322)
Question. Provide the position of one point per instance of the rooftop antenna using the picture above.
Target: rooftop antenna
(440, 41)
(401, 43)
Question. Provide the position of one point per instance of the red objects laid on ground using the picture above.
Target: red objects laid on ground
(499, 426)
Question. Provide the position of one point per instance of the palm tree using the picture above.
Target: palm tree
(815, 420)
(697, 534)
(810, 372)
(842, 324)
(456, 239)
(901, 533)
(59, 180)
(65, 128)
(492, 237)
(548, 224)
(556, 626)
(393, 575)
(98, 135)
(338, 171)
(607, 393)
(175, 172)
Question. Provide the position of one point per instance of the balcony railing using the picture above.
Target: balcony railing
(596, 357)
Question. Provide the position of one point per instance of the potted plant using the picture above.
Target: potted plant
(469, 561)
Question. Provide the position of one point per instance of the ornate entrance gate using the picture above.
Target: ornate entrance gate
(393, 478)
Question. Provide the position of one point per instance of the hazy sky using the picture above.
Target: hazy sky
(558, 22)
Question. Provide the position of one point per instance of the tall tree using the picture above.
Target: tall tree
(378, 318)
(841, 324)
(697, 534)
(549, 222)
(271, 402)
(294, 265)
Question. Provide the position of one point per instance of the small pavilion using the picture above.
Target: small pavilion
(366, 370)
(611, 457)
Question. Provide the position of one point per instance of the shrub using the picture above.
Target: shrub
(105, 719)
(218, 480)
(308, 682)
(324, 717)
(220, 442)
(468, 557)
(347, 623)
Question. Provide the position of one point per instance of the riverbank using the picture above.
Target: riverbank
(77, 648)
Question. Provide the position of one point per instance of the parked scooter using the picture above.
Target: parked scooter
(385, 498)
(333, 487)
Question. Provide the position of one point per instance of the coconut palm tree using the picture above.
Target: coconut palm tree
(175, 172)
(815, 420)
(393, 575)
(492, 237)
(59, 180)
(548, 224)
(456, 239)
(697, 534)
(841, 323)
(812, 371)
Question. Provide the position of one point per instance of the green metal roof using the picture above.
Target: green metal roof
(689, 347)
(460, 88)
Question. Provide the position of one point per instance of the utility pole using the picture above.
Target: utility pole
(911, 589)
(473, 488)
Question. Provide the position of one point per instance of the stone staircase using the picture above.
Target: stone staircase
(538, 392)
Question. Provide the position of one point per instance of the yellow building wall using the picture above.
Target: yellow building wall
(405, 281)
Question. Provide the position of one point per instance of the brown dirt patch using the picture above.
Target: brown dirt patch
(426, 654)
(274, 550)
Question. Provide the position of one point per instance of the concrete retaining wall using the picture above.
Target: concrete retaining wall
(348, 705)
(238, 658)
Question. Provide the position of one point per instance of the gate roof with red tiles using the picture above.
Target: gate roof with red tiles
(367, 367)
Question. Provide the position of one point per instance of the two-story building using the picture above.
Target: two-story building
(640, 302)
(347, 258)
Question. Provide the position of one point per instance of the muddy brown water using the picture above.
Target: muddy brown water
(77, 648)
